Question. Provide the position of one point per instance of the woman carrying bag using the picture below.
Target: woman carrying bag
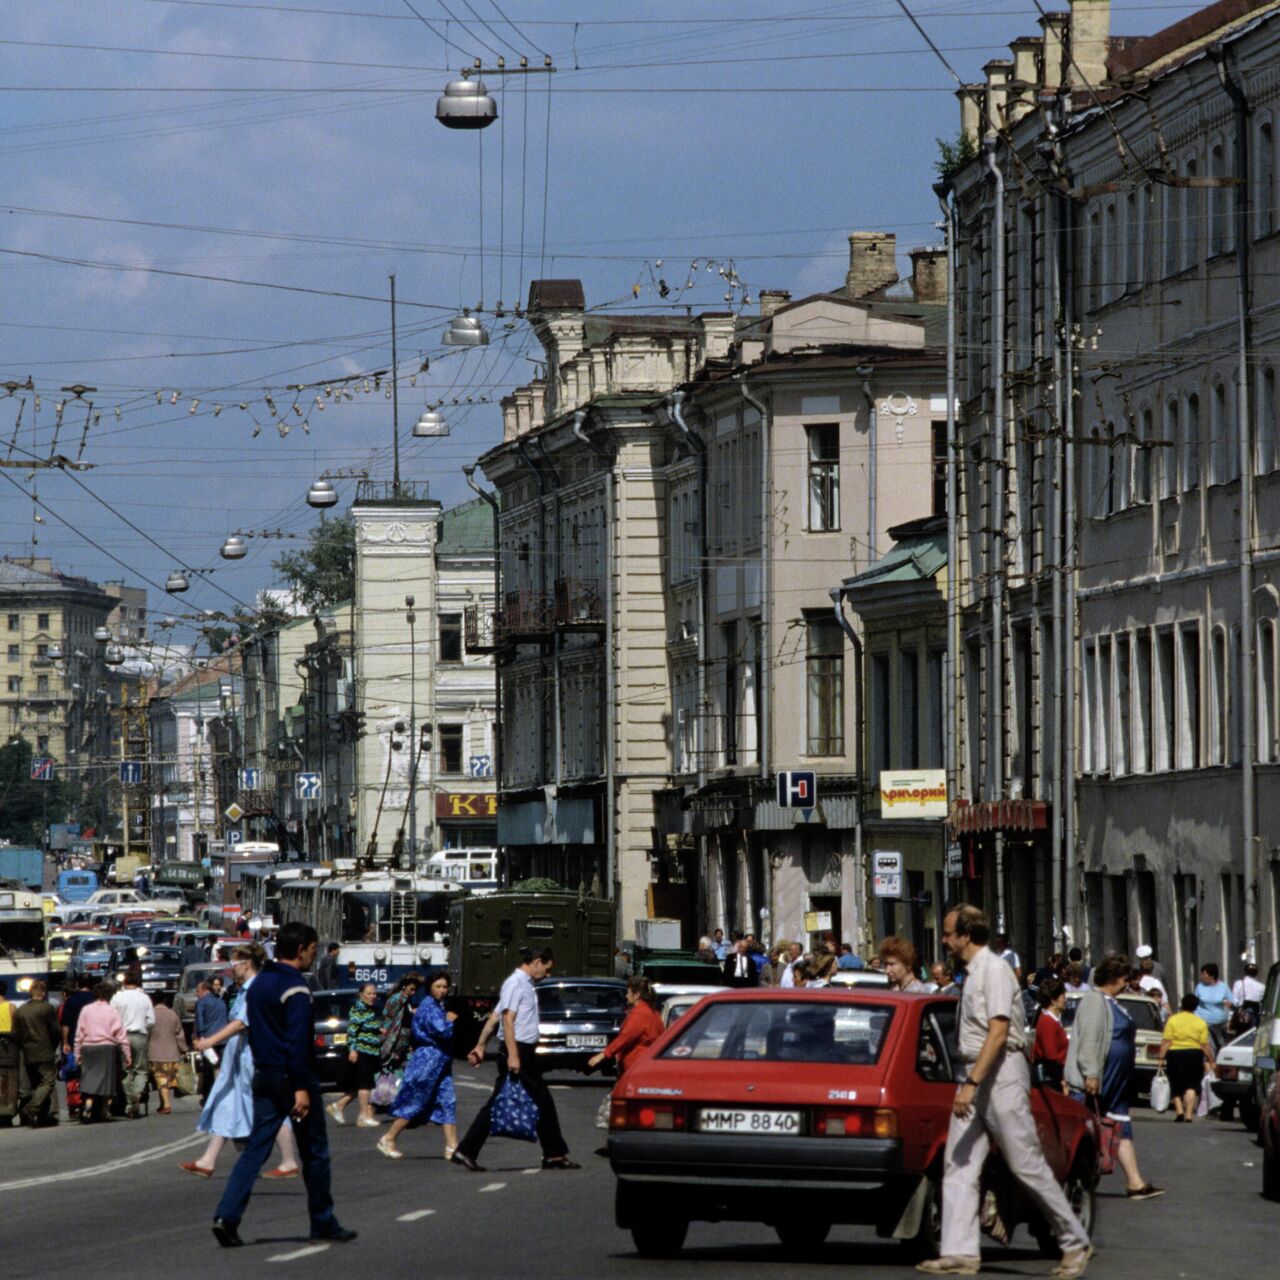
(1186, 1052)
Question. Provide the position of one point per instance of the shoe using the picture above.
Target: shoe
(368, 1122)
(190, 1166)
(560, 1162)
(1073, 1263)
(951, 1265)
(225, 1234)
(1145, 1193)
(335, 1113)
(466, 1162)
(165, 1111)
(132, 1113)
(280, 1173)
(388, 1150)
(448, 1152)
(1179, 1119)
(339, 1235)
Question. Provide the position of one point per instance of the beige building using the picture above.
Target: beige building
(128, 620)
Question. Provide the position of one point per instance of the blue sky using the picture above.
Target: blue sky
(293, 143)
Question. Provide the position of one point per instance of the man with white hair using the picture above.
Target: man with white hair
(1144, 952)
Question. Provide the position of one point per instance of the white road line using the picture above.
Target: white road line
(493, 1186)
(299, 1253)
(528, 1171)
(97, 1170)
(562, 1088)
(415, 1215)
(472, 1084)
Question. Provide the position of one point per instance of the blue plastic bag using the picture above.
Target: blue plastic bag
(514, 1113)
(68, 1068)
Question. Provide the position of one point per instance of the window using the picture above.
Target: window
(1142, 457)
(451, 637)
(15, 684)
(14, 653)
(1220, 729)
(1190, 218)
(450, 736)
(729, 634)
(1217, 198)
(42, 651)
(1164, 708)
(908, 753)
(1172, 251)
(42, 744)
(1265, 422)
(42, 684)
(15, 622)
(1167, 455)
(1089, 709)
(880, 715)
(824, 478)
(1095, 261)
(1132, 242)
(939, 430)
(1189, 697)
(1140, 752)
(1191, 442)
(824, 682)
(1219, 445)
(42, 622)
(934, 745)
(1266, 691)
(1104, 705)
(1265, 183)
(1110, 255)
(1124, 705)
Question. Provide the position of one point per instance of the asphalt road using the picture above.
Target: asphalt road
(110, 1202)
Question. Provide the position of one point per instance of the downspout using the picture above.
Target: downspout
(557, 700)
(611, 708)
(996, 683)
(865, 371)
(1244, 338)
(859, 874)
(522, 450)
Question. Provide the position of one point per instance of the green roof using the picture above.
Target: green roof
(467, 529)
(919, 553)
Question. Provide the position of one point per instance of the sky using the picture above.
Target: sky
(204, 201)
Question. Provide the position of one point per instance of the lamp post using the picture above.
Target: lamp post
(411, 617)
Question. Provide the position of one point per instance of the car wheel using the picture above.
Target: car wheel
(927, 1240)
(1079, 1188)
(659, 1239)
(1250, 1117)
(802, 1236)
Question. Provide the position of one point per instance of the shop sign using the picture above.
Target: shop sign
(913, 793)
(458, 805)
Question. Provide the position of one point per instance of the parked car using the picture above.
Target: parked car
(675, 1007)
(1233, 1085)
(805, 1108)
(331, 1008)
(161, 966)
(184, 1002)
(859, 978)
(1266, 1038)
(577, 1017)
(91, 954)
(1146, 1050)
(1269, 1132)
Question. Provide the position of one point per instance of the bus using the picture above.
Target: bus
(475, 868)
(227, 864)
(260, 887)
(386, 923)
(23, 958)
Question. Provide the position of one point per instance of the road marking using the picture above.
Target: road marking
(528, 1171)
(493, 1186)
(562, 1088)
(97, 1170)
(471, 1084)
(415, 1215)
(299, 1253)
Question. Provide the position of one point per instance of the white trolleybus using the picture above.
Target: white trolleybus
(23, 957)
(386, 923)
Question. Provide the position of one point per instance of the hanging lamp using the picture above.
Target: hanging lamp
(432, 423)
(465, 104)
(321, 494)
(466, 331)
(234, 548)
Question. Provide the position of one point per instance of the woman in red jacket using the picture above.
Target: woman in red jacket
(1049, 1054)
(642, 1026)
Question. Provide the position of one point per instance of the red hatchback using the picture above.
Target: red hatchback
(809, 1107)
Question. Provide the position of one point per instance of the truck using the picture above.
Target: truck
(25, 866)
(486, 935)
(77, 884)
(191, 879)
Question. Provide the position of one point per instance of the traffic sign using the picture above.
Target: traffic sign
(249, 779)
(233, 812)
(886, 878)
(797, 789)
(307, 786)
(955, 861)
(42, 769)
(131, 772)
(235, 837)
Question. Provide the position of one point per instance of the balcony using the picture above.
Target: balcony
(480, 627)
(579, 606)
(526, 617)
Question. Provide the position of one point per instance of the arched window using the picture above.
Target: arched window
(1265, 182)
(1111, 257)
(1190, 217)
(1217, 198)
(1168, 453)
(1266, 676)
(1117, 471)
(1172, 224)
(1265, 418)
(1190, 443)
(1219, 728)
(1219, 465)
(1141, 466)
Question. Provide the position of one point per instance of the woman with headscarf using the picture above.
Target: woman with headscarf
(427, 1094)
(397, 1022)
(99, 1046)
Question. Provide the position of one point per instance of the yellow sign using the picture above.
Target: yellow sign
(913, 793)
(234, 812)
(817, 921)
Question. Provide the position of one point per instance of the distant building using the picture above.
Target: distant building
(128, 620)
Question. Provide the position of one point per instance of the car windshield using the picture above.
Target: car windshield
(1146, 1013)
(163, 955)
(336, 1006)
(581, 1000)
(782, 1031)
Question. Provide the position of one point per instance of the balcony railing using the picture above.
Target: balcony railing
(479, 627)
(579, 605)
(526, 616)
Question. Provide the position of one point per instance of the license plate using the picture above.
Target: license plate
(724, 1120)
(586, 1042)
(340, 1037)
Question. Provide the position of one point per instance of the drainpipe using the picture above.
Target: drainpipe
(557, 699)
(996, 683)
(470, 472)
(611, 706)
(1244, 337)
(859, 874)
(864, 371)
(522, 451)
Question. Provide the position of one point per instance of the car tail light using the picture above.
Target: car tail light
(855, 1122)
(321, 1041)
(1228, 1073)
(649, 1117)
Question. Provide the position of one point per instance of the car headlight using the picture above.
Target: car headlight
(24, 984)
(380, 956)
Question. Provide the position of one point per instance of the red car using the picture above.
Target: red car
(809, 1107)
(1269, 1132)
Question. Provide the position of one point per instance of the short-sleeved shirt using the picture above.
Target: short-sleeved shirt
(1213, 997)
(519, 996)
(1186, 1031)
(990, 991)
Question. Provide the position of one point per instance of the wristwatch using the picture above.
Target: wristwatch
(970, 1080)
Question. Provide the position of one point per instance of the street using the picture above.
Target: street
(120, 1207)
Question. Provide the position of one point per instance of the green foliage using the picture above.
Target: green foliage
(953, 156)
(539, 884)
(324, 573)
(26, 805)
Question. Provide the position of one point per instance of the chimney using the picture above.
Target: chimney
(1054, 26)
(1090, 38)
(999, 71)
(970, 118)
(873, 262)
(1025, 83)
(772, 300)
(929, 274)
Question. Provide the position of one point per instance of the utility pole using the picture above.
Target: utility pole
(395, 399)
(124, 786)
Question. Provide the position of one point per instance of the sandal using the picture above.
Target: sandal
(388, 1150)
(560, 1162)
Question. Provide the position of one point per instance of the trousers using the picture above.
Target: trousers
(135, 1078)
(1001, 1113)
(272, 1105)
(549, 1135)
(40, 1079)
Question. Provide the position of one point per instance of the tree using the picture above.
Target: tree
(25, 804)
(324, 573)
(953, 156)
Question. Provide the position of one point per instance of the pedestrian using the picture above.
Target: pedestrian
(1099, 1069)
(1151, 986)
(1246, 996)
(38, 1035)
(719, 946)
(327, 969)
(1052, 968)
(427, 1092)
(943, 983)
(397, 1019)
(993, 1104)
(1000, 945)
(1214, 1005)
(68, 1017)
(1144, 952)
(640, 1028)
(1073, 978)
(136, 1012)
(1049, 1052)
(228, 1111)
(166, 1045)
(518, 1056)
(364, 1058)
(739, 968)
(848, 959)
(1187, 1053)
(899, 957)
(281, 1036)
(793, 954)
(100, 1044)
(208, 1018)
(9, 1058)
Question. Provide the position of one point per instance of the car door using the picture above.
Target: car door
(934, 1085)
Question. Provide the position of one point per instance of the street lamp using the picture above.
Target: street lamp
(102, 635)
(176, 583)
(432, 423)
(234, 548)
(114, 655)
(466, 104)
(465, 331)
(321, 494)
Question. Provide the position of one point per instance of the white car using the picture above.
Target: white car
(1233, 1086)
(859, 978)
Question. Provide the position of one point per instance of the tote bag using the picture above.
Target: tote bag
(1160, 1092)
(514, 1113)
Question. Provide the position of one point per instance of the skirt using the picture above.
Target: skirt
(165, 1074)
(100, 1070)
(362, 1073)
(1185, 1068)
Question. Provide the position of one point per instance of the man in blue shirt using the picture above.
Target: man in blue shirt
(847, 958)
(281, 1035)
(210, 1016)
(719, 945)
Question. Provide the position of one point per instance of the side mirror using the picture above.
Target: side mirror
(1265, 1064)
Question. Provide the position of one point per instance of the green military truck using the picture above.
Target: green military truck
(486, 935)
(190, 879)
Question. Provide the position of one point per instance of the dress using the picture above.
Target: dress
(228, 1110)
(427, 1092)
(1117, 1071)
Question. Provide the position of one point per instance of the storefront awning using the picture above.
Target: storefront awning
(984, 816)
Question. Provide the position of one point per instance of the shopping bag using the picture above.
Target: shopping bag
(189, 1074)
(68, 1068)
(1161, 1093)
(385, 1088)
(1109, 1139)
(514, 1113)
(1206, 1087)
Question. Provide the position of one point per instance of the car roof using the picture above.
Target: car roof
(821, 995)
(580, 982)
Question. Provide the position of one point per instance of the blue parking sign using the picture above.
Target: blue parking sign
(797, 789)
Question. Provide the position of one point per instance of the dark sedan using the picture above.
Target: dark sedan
(161, 966)
(577, 1017)
(331, 1009)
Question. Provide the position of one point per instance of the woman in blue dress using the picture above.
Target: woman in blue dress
(427, 1093)
(228, 1110)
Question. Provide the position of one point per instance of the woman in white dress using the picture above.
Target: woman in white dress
(228, 1110)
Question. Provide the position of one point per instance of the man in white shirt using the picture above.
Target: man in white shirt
(1247, 995)
(517, 1008)
(138, 1015)
(1152, 985)
(794, 952)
